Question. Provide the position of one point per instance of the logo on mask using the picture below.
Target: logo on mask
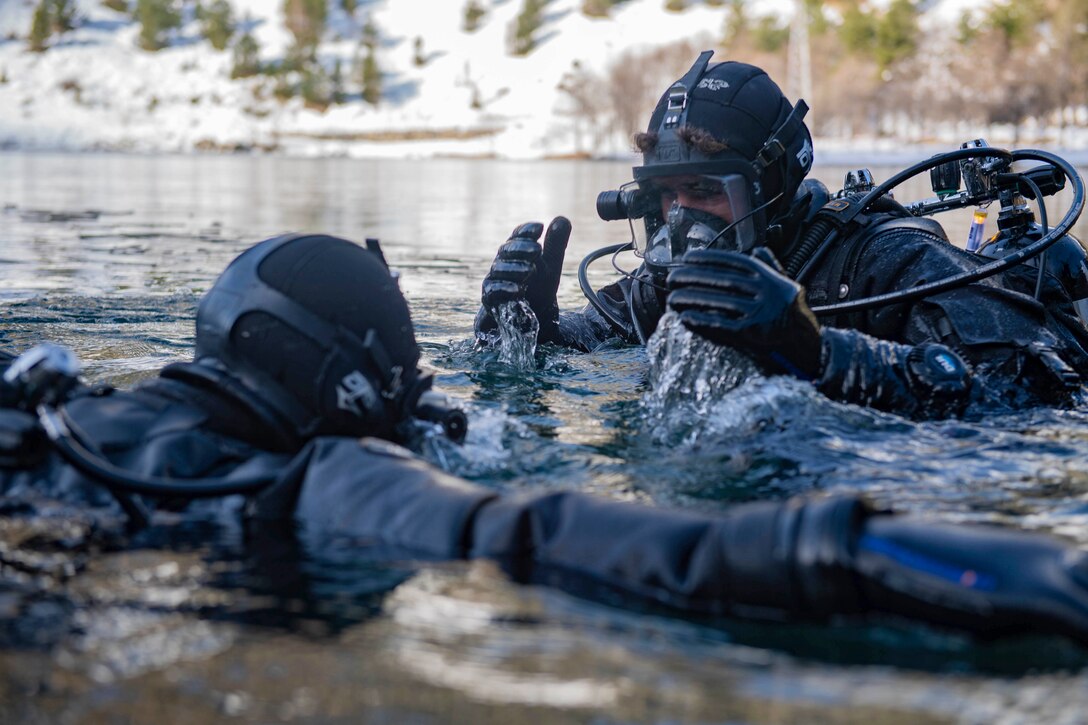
(713, 84)
(804, 156)
(352, 388)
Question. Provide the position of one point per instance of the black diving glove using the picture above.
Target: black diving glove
(823, 558)
(749, 304)
(524, 270)
(988, 580)
(919, 381)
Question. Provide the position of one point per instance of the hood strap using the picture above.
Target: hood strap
(776, 144)
(676, 111)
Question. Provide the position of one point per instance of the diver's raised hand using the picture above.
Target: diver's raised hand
(749, 304)
(523, 269)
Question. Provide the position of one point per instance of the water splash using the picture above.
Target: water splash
(699, 389)
(688, 376)
(518, 330)
(684, 365)
(486, 449)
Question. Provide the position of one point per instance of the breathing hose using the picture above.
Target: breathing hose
(583, 281)
(987, 270)
(114, 478)
(813, 240)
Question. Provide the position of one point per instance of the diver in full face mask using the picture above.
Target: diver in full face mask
(697, 188)
(720, 211)
(723, 157)
(303, 336)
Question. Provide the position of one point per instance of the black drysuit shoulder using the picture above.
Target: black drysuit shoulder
(157, 430)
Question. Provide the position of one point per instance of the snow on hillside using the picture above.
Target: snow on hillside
(96, 89)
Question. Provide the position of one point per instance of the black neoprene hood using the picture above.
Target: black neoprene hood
(738, 104)
(317, 326)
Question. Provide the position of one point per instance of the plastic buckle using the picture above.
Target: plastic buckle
(678, 100)
(771, 152)
(1059, 370)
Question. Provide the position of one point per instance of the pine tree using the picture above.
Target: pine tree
(1014, 23)
(819, 23)
(676, 6)
(525, 26)
(217, 23)
(62, 16)
(474, 13)
(349, 6)
(596, 8)
(314, 87)
(371, 78)
(858, 29)
(417, 54)
(336, 81)
(370, 34)
(770, 35)
(306, 21)
(39, 28)
(294, 60)
(737, 23)
(247, 60)
(120, 6)
(156, 17)
(1070, 21)
(896, 33)
(283, 90)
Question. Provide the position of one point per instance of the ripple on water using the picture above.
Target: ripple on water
(211, 623)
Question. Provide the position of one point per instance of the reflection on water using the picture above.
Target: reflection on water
(201, 620)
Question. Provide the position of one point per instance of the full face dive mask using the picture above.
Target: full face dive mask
(692, 212)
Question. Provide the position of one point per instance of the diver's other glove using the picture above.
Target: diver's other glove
(749, 304)
(827, 557)
(919, 381)
(524, 270)
(989, 580)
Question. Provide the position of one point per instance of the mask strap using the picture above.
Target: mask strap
(369, 351)
(676, 110)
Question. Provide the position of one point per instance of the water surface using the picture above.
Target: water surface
(194, 619)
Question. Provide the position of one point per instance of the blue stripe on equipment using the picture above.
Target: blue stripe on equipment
(911, 559)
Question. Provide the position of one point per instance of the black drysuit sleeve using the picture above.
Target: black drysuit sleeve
(917, 381)
(1018, 351)
(1022, 351)
(799, 559)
